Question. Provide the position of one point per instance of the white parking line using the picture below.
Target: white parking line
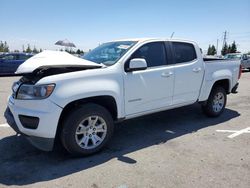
(235, 132)
(4, 125)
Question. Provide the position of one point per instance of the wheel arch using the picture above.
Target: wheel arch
(209, 85)
(106, 101)
(224, 83)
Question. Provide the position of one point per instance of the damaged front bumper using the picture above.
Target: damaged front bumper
(36, 120)
(45, 144)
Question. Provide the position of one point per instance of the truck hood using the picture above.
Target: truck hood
(52, 59)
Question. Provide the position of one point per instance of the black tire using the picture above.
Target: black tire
(208, 106)
(71, 125)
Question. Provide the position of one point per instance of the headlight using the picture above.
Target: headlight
(15, 86)
(35, 91)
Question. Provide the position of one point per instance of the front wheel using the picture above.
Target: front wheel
(216, 102)
(87, 129)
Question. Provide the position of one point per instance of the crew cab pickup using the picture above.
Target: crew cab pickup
(77, 100)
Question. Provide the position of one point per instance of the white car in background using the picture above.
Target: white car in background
(244, 58)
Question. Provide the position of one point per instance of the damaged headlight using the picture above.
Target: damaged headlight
(35, 91)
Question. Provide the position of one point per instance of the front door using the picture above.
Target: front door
(150, 89)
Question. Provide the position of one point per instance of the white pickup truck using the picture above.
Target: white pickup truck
(77, 100)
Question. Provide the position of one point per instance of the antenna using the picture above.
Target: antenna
(172, 35)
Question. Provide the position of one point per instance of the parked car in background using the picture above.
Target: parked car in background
(233, 56)
(244, 59)
(245, 62)
(9, 62)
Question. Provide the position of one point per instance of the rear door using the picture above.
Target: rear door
(150, 89)
(189, 71)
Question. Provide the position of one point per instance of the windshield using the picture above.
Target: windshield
(233, 56)
(109, 53)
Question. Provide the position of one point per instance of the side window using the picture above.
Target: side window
(23, 57)
(184, 52)
(9, 57)
(154, 54)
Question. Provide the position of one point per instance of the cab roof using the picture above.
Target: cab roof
(154, 39)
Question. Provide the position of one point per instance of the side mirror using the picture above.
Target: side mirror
(136, 64)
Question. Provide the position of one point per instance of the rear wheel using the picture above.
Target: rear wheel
(87, 129)
(216, 102)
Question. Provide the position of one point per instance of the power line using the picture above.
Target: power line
(242, 36)
(240, 33)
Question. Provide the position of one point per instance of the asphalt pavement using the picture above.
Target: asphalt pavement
(175, 148)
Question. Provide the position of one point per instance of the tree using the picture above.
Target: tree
(40, 50)
(248, 53)
(233, 48)
(4, 46)
(211, 50)
(1, 46)
(229, 49)
(28, 49)
(224, 49)
(35, 51)
(80, 52)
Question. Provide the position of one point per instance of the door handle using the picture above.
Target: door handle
(167, 74)
(197, 69)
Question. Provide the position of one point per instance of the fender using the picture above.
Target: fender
(210, 80)
(84, 84)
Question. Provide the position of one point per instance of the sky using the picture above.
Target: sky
(41, 23)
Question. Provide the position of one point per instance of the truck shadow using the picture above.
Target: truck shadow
(22, 164)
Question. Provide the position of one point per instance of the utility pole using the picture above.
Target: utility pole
(224, 38)
(217, 47)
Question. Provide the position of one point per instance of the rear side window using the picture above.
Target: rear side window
(23, 57)
(153, 53)
(184, 52)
